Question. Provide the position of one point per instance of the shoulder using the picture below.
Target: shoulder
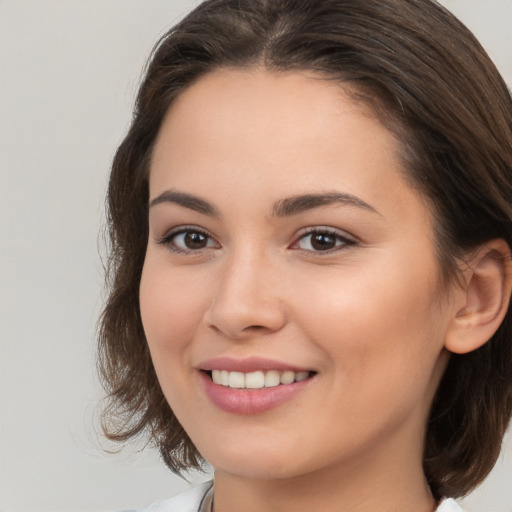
(187, 501)
(449, 505)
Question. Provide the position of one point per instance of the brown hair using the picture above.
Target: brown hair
(429, 80)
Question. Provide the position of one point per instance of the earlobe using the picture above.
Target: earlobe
(484, 298)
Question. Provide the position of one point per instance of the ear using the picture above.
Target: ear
(482, 303)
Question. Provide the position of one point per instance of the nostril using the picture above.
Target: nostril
(238, 319)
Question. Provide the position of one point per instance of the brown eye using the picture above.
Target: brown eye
(322, 241)
(194, 240)
(188, 240)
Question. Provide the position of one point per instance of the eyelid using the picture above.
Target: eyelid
(166, 238)
(347, 239)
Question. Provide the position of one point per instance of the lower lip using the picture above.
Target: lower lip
(251, 401)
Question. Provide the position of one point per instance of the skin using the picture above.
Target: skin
(368, 316)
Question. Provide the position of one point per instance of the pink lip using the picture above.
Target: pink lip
(250, 401)
(250, 364)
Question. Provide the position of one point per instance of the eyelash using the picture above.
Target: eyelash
(341, 242)
(168, 239)
(344, 241)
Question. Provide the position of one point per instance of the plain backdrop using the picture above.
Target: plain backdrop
(68, 74)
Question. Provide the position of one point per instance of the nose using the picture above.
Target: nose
(246, 302)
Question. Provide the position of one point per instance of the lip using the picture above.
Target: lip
(250, 401)
(250, 364)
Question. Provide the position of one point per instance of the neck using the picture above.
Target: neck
(330, 496)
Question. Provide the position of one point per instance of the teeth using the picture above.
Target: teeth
(287, 377)
(272, 379)
(301, 376)
(256, 380)
(236, 380)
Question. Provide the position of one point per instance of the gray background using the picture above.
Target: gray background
(69, 70)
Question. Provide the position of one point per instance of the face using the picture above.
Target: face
(290, 293)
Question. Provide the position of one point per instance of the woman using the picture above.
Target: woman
(311, 226)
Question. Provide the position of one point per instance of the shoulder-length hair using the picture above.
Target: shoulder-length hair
(427, 78)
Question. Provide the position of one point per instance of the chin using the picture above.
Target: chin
(258, 470)
(258, 462)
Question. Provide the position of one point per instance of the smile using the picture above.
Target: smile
(256, 379)
(252, 385)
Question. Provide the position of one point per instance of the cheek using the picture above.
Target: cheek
(381, 355)
(372, 324)
(171, 309)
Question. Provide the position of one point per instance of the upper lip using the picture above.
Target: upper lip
(250, 364)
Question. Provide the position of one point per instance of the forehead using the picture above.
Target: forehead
(287, 94)
(276, 134)
(280, 112)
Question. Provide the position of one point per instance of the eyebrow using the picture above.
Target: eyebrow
(186, 200)
(282, 208)
(299, 204)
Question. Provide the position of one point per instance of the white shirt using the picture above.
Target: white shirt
(193, 499)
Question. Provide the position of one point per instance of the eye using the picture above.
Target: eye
(322, 240)
(187, 240)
